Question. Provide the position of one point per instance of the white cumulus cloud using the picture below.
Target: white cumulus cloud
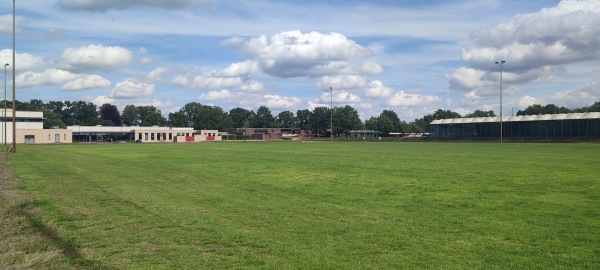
(401, 99)
(157, 74)
(240, 69)
(340, 96)
(131, 88)
(535, 46)
(216, 95)
(100, 100)
(25, 61)
(578, 97)
(376, 89)
(206, 82)
(527, 101)
(95, 57)
(53, 76)
(251, 86)
(86, 82)
(342, 82)
(297, 54)
(279, 102)
(6, 24)
(467, 79)
(48, 77)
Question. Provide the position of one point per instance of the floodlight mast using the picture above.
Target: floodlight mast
(13, 149)
(500, 63)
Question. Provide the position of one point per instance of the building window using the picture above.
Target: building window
(65, 137)
(158, 136)
(146, 136)
(170, 136)
(152, 136)
(140, 136)
(48, 136)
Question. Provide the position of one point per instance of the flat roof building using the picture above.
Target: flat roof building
(544, 126)
(30, 129)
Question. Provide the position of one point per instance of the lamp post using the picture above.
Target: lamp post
(331, 118)
(500, 63)
(4, 115)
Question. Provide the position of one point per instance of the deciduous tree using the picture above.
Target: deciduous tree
(264, 118)
(110, 113)
(286, 119)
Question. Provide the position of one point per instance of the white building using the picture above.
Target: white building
(30, 129)
(142, 134)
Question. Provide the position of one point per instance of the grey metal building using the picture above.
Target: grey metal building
(545, 126)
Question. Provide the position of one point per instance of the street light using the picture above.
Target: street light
(500, 63)
(4, 115)
(331, 118)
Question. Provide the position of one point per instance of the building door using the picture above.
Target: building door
(29, 139)
(56, 138)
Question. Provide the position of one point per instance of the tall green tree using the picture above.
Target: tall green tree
(109, 114)
(304, 119)
(389, 122)
(479, 113)
(36, 105)
(142, 116)
(439, 114)
(201, 117)
(592, 108)
(372, 123)
(286, 119)
(320, 120)
(177, 119)
(52, 119)
(239, 116)
(345, 119)
(250, 122)
(537, 109)
(414, 128)
(264, 118)
(129, 116)
(56, 106)
(150, 116)
(213, 117)
(80, 113)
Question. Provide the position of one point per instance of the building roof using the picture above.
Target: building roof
(520, 118)
(22, 114)
(124, 128)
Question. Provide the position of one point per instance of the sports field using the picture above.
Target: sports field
(313, 205)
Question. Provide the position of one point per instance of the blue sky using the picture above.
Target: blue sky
(411, 57)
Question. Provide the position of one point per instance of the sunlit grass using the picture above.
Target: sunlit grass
(319, 205)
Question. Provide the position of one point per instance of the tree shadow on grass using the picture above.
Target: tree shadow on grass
(67, 246)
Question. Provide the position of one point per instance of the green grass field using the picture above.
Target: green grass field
(315, 205)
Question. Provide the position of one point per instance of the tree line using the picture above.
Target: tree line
(199, 116)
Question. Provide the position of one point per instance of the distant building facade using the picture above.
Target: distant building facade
(30, 129)
(154, 134)
(577, 126)
(270, 134)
